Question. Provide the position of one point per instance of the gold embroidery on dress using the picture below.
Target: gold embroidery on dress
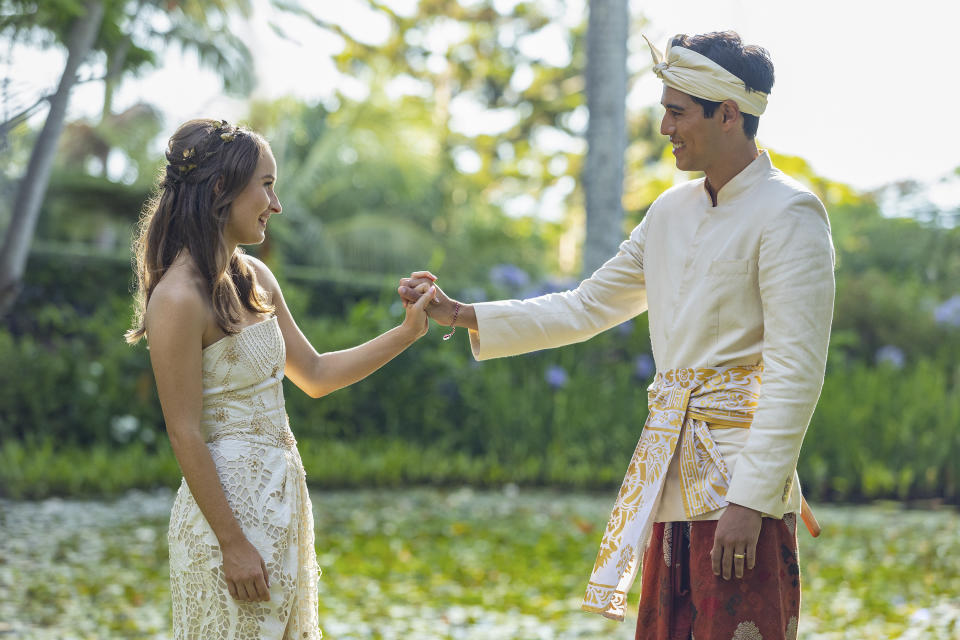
(231, 356)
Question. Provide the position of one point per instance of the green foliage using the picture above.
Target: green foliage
(108, 210)
(433, 415)
(132, 33)
(33, 468)
(457, 64)
(365, 191)
(882, 432)
(892, 274)
(68, 375)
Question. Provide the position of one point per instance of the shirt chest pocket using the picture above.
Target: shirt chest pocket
(728, 269)
(732, 290)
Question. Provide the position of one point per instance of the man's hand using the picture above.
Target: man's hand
(735, 540)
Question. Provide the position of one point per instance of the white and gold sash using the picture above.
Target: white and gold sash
(701, 399)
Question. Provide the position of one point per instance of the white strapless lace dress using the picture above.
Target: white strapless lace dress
(246, 429)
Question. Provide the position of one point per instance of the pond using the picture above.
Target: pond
(459, 564)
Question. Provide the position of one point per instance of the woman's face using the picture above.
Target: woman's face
(249, 213)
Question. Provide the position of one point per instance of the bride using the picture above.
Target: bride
(242, 557)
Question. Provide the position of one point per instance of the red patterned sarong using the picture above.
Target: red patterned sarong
(681, 598)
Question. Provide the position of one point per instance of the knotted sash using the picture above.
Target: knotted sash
(721, 397)
(697, 75)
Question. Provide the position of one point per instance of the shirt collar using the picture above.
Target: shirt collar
(741, 183)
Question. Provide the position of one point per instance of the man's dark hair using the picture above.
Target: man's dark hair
(750, 63)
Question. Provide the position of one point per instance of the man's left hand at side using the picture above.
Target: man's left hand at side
(735, 541)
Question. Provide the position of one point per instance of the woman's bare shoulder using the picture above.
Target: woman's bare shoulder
(177, 302)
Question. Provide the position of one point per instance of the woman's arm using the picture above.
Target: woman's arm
(175, 322)
(319, 374)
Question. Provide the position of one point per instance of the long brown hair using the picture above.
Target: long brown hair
(209, 163)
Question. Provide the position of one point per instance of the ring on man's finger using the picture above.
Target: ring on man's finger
(739, 556)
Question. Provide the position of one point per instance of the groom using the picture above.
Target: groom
(736, 271)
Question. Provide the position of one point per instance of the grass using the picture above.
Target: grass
(466, 564)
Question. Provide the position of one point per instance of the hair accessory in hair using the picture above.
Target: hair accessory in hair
(190, 166)
(224, 130)
(697, 75)
(179, 167)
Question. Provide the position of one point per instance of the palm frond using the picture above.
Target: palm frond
(219, 50)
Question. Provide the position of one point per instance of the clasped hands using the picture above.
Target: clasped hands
(441, 309)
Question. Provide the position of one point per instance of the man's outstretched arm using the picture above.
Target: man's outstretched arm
(614, 293)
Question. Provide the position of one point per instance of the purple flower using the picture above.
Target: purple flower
(948, 313)
(892, 356)
(644, 367)
(556, 376)
(509, 276)
(625, 328)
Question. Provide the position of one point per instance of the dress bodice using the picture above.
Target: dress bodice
(243, 387)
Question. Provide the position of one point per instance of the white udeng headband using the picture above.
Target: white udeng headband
(701, 77)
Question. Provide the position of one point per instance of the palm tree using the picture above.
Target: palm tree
(606, 79)
(124, 31)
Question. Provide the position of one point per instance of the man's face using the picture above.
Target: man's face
(696, 140)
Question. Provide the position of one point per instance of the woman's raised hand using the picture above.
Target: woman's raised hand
(416, 321)
(441, 308)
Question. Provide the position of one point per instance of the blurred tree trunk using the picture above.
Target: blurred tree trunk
(115, 63)
(606, 80)
(33, 185)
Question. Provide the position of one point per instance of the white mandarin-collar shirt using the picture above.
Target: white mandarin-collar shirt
(747, 281)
